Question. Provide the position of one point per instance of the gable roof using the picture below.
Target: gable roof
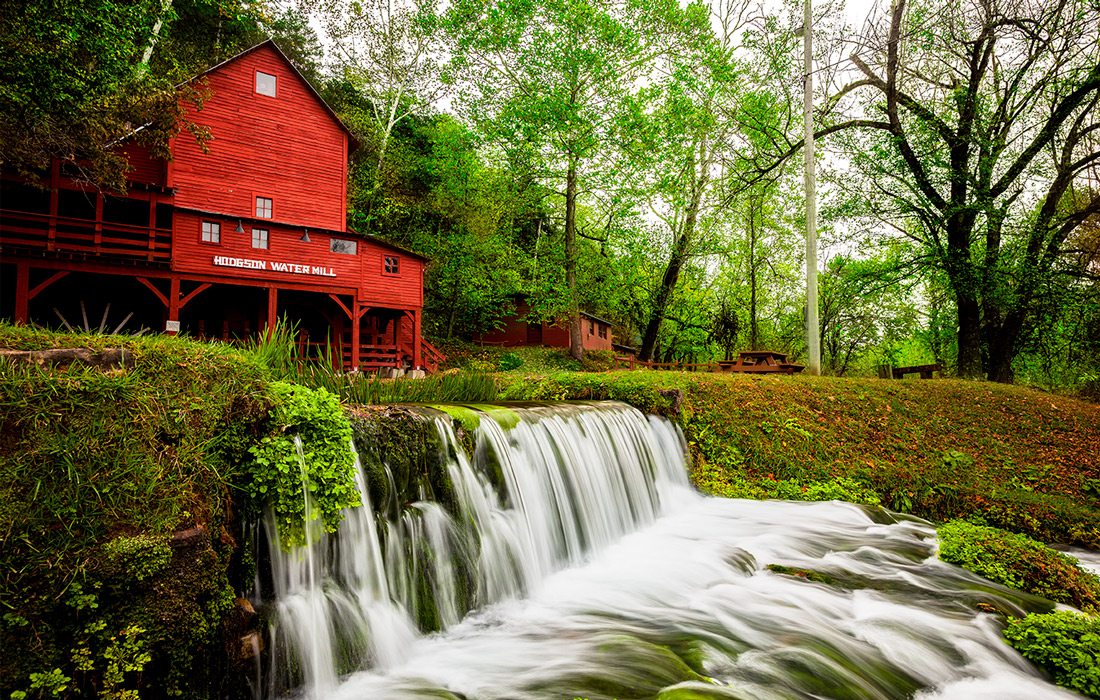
(353, 143)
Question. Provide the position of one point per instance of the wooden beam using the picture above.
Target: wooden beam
(194, 293)
(339, 303)
(41, 287)
(355, 340)
(55, 181)
(363, 311)
(152, 288)
(417, 348)
(272, 308)
(173, 303)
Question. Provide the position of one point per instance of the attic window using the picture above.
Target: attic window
(265, 84)
(263, 207)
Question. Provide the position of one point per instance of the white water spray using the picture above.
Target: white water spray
(593, 570)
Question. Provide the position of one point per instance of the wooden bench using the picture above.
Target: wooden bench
(925, 371)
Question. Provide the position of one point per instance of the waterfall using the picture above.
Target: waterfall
(573, 559)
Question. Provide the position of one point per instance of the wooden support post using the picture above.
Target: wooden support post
(417, 349)
(22, 292)
(355, 317)
(153, 228)
(97, 238)
(55, 187)
(173, 325)
(272, 309)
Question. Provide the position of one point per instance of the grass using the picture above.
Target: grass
(1023, 460)
(95, 462)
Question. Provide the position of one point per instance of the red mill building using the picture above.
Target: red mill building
(218, 244)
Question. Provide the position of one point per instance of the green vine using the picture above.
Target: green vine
(324, 464)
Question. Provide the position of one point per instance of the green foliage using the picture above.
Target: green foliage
(1064, 644)
(1019, 562)
(277, 351)
(509, 361)
(139, 557)
(304, 470)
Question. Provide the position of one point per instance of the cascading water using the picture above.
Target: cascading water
(594, 570)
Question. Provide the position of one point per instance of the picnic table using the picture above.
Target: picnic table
(760, 362)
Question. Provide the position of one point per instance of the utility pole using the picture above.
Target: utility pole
(809, 181)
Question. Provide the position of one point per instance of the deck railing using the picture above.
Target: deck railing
(84, 237)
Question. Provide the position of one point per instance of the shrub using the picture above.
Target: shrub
(1065, 644)
(310, 446)
(1019, 562)
(509, 361)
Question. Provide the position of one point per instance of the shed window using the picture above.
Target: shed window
(265, 84)
(259, 238)
(391, 264)
(211, 232)
(263, 207)
(337, 245)
(591, 328)
(603, 331)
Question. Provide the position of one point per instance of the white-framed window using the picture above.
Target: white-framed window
(391, 265)
(265, 84)
(337, 245)
(211, 232)
(259, 238)
(263, 207)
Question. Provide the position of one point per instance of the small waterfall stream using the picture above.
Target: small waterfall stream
(575, 560)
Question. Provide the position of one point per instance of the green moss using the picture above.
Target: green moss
(468, 418)
(1019, 562)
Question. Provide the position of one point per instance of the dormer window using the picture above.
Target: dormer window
(391, 265)
(263, 208)
(265, 84)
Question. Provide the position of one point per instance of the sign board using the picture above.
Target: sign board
(275, 266)
(172, 327)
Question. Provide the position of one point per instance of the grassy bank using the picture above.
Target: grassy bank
(117, 487)
(1013, 457)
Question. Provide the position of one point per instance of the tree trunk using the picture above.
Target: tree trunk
(1003, 343)
(969, 359)
(664, 295)
(675, 262)
(576, 340)
(754, 322)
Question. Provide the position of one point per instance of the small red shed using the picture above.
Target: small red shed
(517, 331)
(224, 238)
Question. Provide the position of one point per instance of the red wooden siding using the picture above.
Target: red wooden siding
(517, 332)
(144, 168)
(288, 148)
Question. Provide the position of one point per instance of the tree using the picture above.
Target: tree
(78, 77)
(389, 50)
(548, 80)
(987, 111)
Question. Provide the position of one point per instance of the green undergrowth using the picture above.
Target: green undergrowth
(1019, 562)
(1065, 644)
(1020, 459)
